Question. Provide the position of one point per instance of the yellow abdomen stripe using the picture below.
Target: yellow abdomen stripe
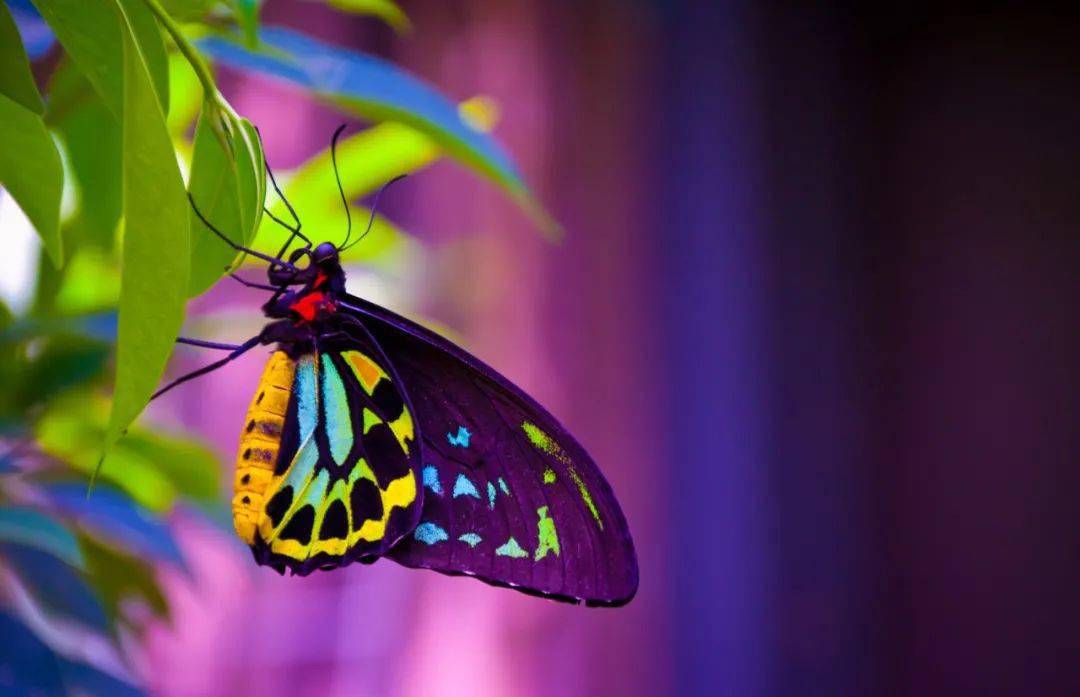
(260, 441)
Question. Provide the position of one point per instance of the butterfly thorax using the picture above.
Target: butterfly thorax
(315, 300)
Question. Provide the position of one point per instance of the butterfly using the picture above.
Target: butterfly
(370, 436)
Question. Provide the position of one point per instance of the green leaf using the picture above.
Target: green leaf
(144, 28)
(118, 577)
(188, 10)
(93, 34)
(366, 161)
(16, 81)
(214, 189)
(116, 517)
(92, 139)
(384, 245)
(247, 16)
(156, 253)
(190, 468)
(33, 528)
(386, 10)
(60, 364)
(251, 176)
(153, 468)
(91, 283)
(185, 95)
(370, 87)
(31, 171)
(228, 189)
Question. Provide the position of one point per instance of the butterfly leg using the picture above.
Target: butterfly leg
(243, 348)
(250, 284)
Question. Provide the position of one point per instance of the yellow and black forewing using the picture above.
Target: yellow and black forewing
(329, 465)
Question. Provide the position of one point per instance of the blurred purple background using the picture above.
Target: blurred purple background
(814, 316)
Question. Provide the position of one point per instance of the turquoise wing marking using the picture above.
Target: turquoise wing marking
(307, 404)
(302, 468)
(338, 416)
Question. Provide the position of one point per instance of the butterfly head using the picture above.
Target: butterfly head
(325, 256)
(306, 265)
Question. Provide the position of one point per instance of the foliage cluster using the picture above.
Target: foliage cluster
(111, 117)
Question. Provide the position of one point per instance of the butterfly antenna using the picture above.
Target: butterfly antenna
(340, 188)
(294, 231)
(292, 211)
(276, 261)
(375, 208)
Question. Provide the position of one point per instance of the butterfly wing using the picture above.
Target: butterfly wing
(509, 496)
(329, 466)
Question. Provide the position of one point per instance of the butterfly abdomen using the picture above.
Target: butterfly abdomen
(260, 442)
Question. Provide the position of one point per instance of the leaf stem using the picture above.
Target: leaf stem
(202, 72)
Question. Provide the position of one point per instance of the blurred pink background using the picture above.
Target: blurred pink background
(813, 316)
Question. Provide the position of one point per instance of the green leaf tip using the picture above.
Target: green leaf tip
(229, 187)
(16, 80)
(31, 172)
(94, 476)
(156, 249)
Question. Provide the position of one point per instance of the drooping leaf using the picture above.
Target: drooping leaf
(228, 188)
(214, 189)
(386, 10)
(251, 176)
(62, 363)
(143, 28)
(247, 16)
(154, 469)
(32, 528)
(188, 10)
(59, 589)
(326, 220)
(191, 468)
(6, 318)
(378, 90)
(366, 161)
(156, 253)
(185, 95)
(75, 441)
(115, 517)
(370, 158)
(94, 34)
(92, 138)
(99, 327)
(16, 81)
(118, 576)
(31, 171)
(91, 284)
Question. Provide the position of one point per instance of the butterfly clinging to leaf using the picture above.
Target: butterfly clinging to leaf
(370, 436)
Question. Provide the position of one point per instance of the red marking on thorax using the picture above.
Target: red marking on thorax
(309, 305)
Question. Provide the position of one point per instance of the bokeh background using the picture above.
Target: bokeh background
(814, 314)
